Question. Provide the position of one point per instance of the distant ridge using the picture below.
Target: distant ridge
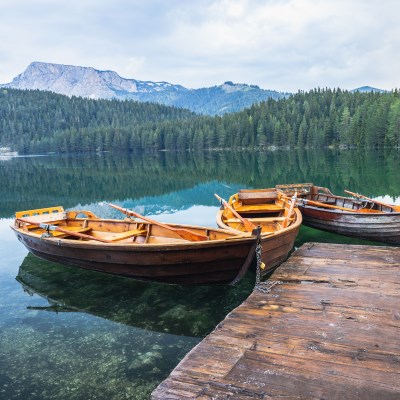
(367, 89)
(91, 83)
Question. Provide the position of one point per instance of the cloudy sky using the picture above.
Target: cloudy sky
(284, 45)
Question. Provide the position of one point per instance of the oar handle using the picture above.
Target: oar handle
(355, 194)
(137, 215)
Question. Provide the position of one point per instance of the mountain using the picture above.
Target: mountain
(91, 83)
(367, 89)
(85, 82)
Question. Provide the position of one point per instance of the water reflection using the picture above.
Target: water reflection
(178, 310)
(34, 182)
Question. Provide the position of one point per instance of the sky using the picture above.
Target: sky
(284, 45)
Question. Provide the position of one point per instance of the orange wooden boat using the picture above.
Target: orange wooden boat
(179, 254)
(273, 212)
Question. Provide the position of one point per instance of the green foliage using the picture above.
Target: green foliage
(36, 122)
(393, 135)
(33, 121)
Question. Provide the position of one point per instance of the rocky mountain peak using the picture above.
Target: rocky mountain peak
(83, 81)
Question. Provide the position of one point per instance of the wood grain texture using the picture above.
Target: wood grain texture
(329, 330)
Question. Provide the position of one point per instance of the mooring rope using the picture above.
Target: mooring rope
(264, 287)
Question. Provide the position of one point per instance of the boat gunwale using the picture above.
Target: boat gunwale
(242, 237)
(355, 212)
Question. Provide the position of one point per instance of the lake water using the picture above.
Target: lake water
(70, 334)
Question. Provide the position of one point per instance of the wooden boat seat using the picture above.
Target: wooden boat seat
(124, 235)
(259, 208)
(257, 197)
(45, 215)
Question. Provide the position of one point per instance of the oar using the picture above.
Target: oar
(57, 228)
(249, 226)
(395, 208)
(318, 204)
(287, 219)
(183, 233)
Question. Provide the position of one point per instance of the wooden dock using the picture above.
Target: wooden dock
(329, 330)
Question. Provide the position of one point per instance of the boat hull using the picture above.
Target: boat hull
(384, 227)
(212, 262)
(275, 248)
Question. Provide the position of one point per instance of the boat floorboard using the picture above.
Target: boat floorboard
(329, 330)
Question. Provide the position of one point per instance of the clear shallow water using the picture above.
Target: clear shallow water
(72, 334)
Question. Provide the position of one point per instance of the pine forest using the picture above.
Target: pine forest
(34, 122)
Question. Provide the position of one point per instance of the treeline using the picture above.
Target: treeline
(34, 122)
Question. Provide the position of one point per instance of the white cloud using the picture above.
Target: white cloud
(277, 44)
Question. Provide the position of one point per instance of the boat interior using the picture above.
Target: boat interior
(268, 208)
(86, 226)
(318, 196)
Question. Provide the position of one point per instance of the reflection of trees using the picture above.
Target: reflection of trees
(42, 181)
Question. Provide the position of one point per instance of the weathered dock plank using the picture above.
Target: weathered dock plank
(329, 330)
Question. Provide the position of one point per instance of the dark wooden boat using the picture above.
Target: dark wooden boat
(136, 249)
(271, 210)
(356, 216)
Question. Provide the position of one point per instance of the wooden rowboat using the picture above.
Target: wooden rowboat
(271, 210)
(357, 216)
(136, 249)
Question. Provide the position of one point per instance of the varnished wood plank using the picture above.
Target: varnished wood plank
(330, 329)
